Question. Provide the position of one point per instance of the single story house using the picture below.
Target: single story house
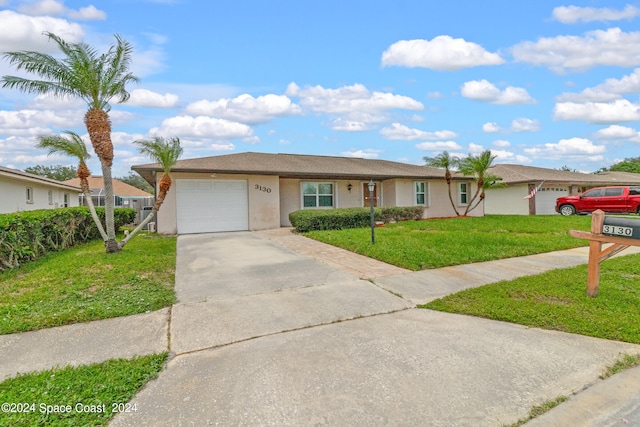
(522, 180)
(125, 195)
(256, 191)
(22, 191)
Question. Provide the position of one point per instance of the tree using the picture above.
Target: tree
(631, 164)
(137, 181)
(74, 147)
(163, 151)
(94, 78)
(446, 162)
(477, 166)
(566, 168)
(57, 172)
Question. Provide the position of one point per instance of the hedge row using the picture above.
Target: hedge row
(25, 236)
(337, 219)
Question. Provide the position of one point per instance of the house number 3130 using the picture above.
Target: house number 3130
(261, 188)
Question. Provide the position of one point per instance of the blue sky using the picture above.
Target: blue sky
(543, 83)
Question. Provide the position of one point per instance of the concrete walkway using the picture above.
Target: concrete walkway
(264, 334)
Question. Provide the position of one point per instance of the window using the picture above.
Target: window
(317, 195)
(29, 194)
(66, 200)
(50, 196)
(420, 189)
(463, 193)
(599, 192)
(608, 192)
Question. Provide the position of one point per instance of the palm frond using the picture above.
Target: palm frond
(164, 151)
(72, 146)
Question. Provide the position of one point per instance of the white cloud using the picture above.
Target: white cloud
(246, 109)
(620, 110)
(617, 132)
(398, 131)
(483, 90)
(475, 148)
(89, 13)
(501, 143)
(348, 99)
(349, 125)
(503, 156)
(441, 53)
(35, 122)
(202, 127)
(610, 90)
(55, 8)
(611, 47)
(491, 127)
(147, 98)
(573, 14)
(368, 153)
(43, 7)
(569, 149)
(22, 32)
(438, 146)
(525, 125)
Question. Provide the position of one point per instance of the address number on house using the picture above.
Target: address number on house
(263, 189)
(617, 230)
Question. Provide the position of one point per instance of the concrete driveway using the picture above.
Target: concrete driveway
(263, 335)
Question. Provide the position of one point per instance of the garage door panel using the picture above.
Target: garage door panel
(546, 199)
(206, 206)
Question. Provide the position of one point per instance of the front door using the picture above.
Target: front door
(368, 197)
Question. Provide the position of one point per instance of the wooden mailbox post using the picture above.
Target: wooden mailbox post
(596, 253)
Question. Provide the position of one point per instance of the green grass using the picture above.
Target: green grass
(98, 387)
(557, 300)
(435, 243)
(84, 283)
(626, 362)
(538, 410)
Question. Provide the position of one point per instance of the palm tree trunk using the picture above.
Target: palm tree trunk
(165, 184)
(92, 209)
(447, 177)
(110, 243)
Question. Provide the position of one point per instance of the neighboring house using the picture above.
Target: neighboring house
(125, 195)
(255, 191)
(521, 180)
(22, 191)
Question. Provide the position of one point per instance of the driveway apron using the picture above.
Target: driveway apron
(262, 335)
(236, 286)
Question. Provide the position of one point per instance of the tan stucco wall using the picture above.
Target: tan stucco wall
(507, 201)
(14, 196)
(440, 205)
(271, 209)
(264, 207)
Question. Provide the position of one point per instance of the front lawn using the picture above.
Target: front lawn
(84, 283)
(557, 300)
(435, 243)
(88, 395)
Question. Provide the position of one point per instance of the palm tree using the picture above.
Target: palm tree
(74, 147)
(94, 78)
(477, 167)
(446, 162)
(163, 151)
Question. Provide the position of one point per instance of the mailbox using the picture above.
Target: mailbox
(622, 227)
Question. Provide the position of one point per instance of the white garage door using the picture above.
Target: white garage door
(546, 199)
(210, 205)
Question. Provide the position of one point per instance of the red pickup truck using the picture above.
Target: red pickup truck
(609, 199)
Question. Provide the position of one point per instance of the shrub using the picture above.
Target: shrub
(338, 219)
(25, 236)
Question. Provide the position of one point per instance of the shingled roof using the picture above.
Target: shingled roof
(296, 166)
(518, 174)
(29, 177)
(120, 189)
